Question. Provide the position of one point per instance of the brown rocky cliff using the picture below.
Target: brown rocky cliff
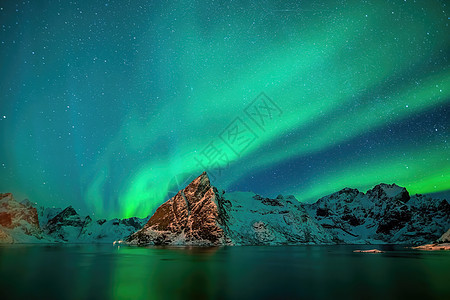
(12, 212)
(192, 215)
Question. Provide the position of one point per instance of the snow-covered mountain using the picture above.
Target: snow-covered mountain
(385, 214)
(445, 238)
(18, 222)
(201, 215)
(69, 226)
(23, 223)
(254, 220)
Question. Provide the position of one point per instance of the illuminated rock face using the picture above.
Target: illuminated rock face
(200, 215)
(23, 223)
(12, 213)
(5, 238)
(192, 217)
(17, 219)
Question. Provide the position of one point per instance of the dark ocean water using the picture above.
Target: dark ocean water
(297, 272)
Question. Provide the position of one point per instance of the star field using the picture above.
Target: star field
(112, 107)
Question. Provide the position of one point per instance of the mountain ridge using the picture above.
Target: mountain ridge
(202, 215)
(384, 214)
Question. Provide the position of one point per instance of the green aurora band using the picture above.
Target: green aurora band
(337, 72)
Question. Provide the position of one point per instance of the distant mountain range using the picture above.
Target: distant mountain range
(25, 222)
(202, 215)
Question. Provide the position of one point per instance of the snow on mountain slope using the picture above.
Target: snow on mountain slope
(13, 212)
(5, 238)
(18, 222)
(445, 238)
(66, 225)
(200, 215)
(69, 226)
(24, 223)
(45, 214)
(385, 214)
(254, 220)
(103, 231)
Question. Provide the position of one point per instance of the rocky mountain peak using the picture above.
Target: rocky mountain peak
(191, 216)
(385, 191)
(445, 238)
(6, 197)
(345, 195)
(444, 207)
(14, 214)
(69, 211)
(27, 203)
(68, 217)
(198, 187)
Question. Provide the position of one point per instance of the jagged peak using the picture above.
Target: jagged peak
(202, 179)
(27, 202)
(69, 209)
(348, 190)
(445, 238)
(388, 186)
(67, 212)
(389, 191)
(201, 183)
(7, 197)
(338, 194)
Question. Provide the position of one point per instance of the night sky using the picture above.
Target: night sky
(112, 106)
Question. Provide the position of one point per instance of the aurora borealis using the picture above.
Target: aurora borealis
(110, 106)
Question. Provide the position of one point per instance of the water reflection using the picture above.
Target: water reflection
(312, 272)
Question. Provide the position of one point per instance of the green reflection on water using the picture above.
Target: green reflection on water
(187, 272)
(297, 272)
